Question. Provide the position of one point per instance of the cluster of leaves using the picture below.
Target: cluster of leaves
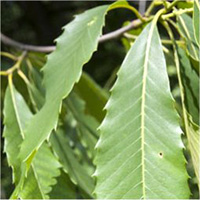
(51, 115)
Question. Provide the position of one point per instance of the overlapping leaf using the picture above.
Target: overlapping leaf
(64, 188)
(86, 124)
(75, 121)
(44, 167)
(74, 48)
(60, 144)
(63, 69)
(14, 109)
(41, 177)
(139, 153)
(186, 27)
(196, 20)
(94, 96)
(190, 82)
(193, 135)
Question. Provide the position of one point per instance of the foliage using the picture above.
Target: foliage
(60, 141)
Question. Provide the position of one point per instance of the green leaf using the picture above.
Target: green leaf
(74, 139)
(77, 173)
(196, 20)
(34, 93)
(94, 96)
(81, 122)
(86, 124)
(16, 114)
(140, 152)
(44, 167)
(37, 59)
(189, 86)
(184, 4)
(63, 68)
(64, 188)
(186, 27)
(36, 79)
(193, 135)
(31, 189)
(190, 81)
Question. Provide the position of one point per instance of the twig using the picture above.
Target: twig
(8, 41)
(115, 34)
(112, 35)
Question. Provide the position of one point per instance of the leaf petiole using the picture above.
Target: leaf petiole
(15, 66)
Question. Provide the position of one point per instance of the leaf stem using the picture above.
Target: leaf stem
(177, 12)
(165, 49)
(172, 4)
(23, 76)
(175, 26)
(30, 68)
(8, 55)
(28, 85)
(166, 4)
(134, 37)
(15, 66)
(129, 7)
(10, 80)
(150, 8)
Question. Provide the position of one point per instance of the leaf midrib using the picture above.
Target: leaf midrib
(144, 78)
(38, 182)
(15, 108)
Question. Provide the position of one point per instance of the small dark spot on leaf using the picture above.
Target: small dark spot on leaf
(161, 154)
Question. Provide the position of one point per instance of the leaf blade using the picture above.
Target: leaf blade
(17, 114)
(86, 124)
(196, 21)
(12, 131)
(193, 135)
(189, 84)
(64, 189)
(89, 25)
(185, 25)
(131, 127)
(190, 81)
(94, 96)
(70, 164)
